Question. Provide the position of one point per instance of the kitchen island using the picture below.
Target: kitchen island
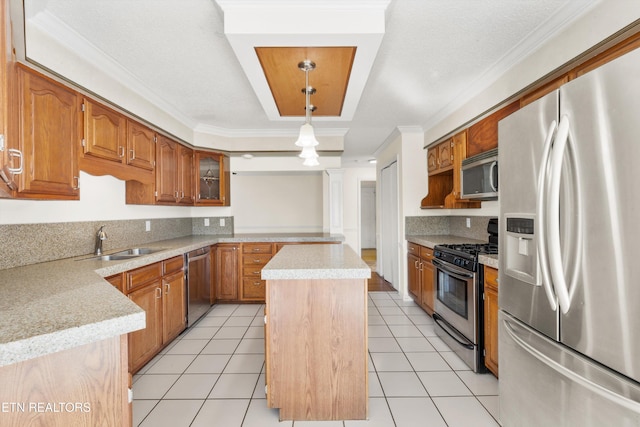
(316, 333)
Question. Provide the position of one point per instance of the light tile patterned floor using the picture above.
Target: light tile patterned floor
(212, 375)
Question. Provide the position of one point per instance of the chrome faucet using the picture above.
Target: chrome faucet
(100, 237)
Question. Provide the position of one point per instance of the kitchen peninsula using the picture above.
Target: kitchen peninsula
(316, 333)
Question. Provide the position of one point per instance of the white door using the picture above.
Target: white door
(368, 214)
(389, 237)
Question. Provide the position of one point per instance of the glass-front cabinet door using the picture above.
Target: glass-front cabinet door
(213, 179)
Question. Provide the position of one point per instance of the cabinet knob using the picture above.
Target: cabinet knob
(158, 293)
(121, 151)
(77, 179)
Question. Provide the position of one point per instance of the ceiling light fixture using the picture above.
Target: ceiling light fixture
(307, 139)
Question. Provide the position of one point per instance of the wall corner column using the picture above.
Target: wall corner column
(336, 201)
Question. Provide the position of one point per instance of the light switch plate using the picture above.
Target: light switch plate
(221, 222)
(468, 222)
(147, 225)
(206, 222)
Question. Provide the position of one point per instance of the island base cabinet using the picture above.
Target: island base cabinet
(83, 386)
(316, 348)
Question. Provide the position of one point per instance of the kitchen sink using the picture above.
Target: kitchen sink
(135, 252)
(122, 255)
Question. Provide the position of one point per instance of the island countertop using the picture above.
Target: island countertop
(316, 262)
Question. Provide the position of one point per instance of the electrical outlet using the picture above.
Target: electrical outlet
(147, 225)
(206, 222)
(221, 222)
(468, 222)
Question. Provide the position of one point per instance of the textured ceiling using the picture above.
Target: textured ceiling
(433, 52)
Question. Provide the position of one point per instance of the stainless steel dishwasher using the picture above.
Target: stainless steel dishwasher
(198, 284)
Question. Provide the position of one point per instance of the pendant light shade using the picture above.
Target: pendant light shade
(312, 161)
(306, 137)
(308, 153)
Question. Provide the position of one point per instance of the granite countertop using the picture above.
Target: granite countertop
(58, 305)
(488, 260)
(316, 262)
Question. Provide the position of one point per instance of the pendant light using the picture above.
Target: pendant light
(306, 138)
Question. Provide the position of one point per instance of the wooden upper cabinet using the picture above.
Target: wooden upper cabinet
(6, 177)
(141, 150)
(48, 134)
(212, 179)
(166, 170)
(185, 176)
(483, 136)
(440, 157)
(174, 172)
(432, 159)
(445, 155)
(105, 132)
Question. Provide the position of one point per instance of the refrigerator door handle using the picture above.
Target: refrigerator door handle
(543, 259)
(553, 216)
(549, 361)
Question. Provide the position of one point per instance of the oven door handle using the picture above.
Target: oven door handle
(463, 275)
(445, 327)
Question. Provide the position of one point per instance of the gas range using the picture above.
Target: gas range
(464, 255)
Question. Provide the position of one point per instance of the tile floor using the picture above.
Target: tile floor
(213, 375)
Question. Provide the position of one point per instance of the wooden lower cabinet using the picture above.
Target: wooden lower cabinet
(491, 319)
(159, 289)
(145, 343)
(420, 272)
(227, 271)
(174, 310)
(427, 282)
(254, 257)
(413, 265)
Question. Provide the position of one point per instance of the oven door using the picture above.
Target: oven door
(456, 298)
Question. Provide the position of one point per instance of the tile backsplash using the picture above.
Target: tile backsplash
(451, 225)
(24, 244)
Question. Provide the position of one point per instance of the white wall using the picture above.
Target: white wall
(272, 202)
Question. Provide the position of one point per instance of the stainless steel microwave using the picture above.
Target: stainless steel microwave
(479, 176)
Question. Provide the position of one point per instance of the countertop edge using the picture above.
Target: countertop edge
(65, 339)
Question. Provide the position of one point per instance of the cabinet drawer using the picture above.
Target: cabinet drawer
(172, 264)
(412, 248)
(251, 271)
(142, 275)
(253, 289)
(255, 259)
(257, 248)
(491, 276)
(426, 253)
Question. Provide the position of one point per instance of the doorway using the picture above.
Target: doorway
(368, 223)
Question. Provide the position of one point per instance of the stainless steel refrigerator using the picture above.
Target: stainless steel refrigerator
(569, 269)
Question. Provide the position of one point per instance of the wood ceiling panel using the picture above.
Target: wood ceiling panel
(286, 81)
